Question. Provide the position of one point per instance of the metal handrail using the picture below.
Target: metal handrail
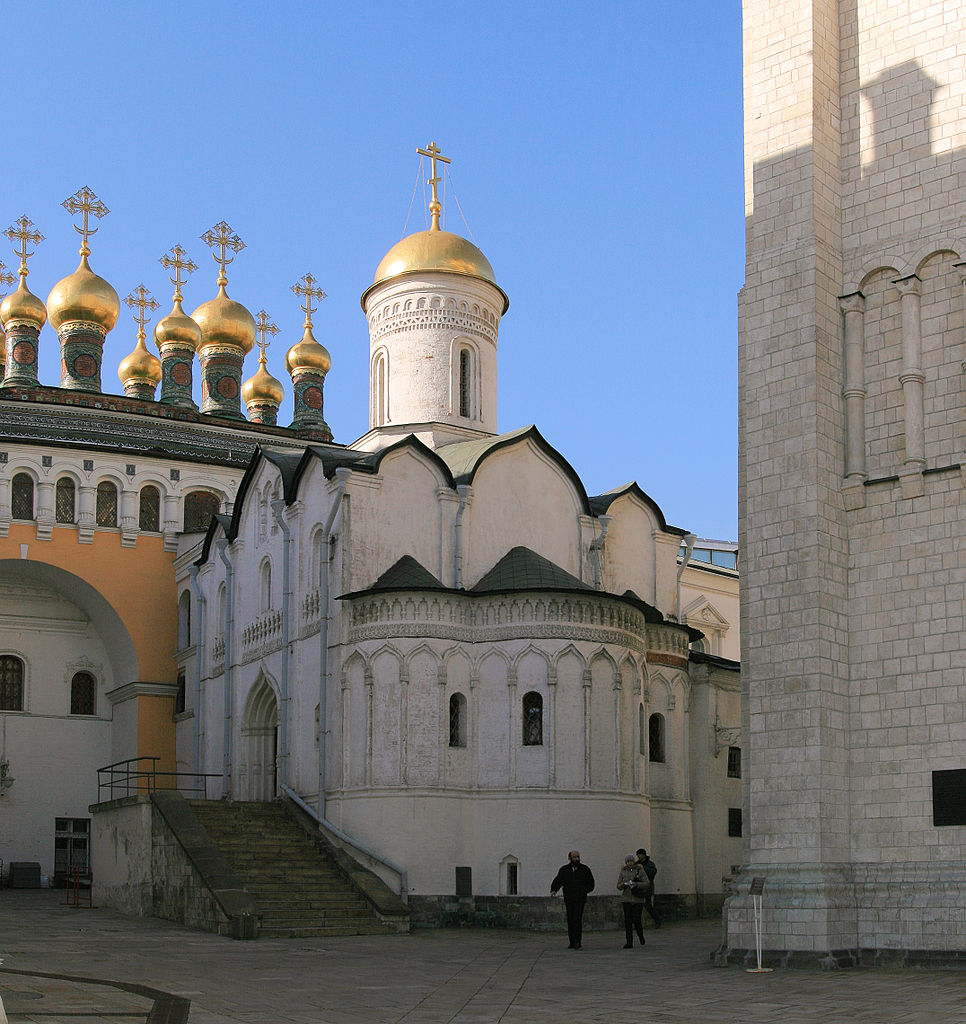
(140, 775)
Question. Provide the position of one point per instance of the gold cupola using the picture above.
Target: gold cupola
(83, 296)
(140, 372)
(224, 322)
(177, 329)
(262, 393)
(262, 388)
(22, 304)
(434, 250)
(307, 354)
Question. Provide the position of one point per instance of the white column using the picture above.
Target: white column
(853, 388)
(587, 680)
(85, 514)
(551, 734)
(45, 509)
(403, 725)
(369, 695)
(442, 733)
(912, 379)
(129, 518)
(514, 734)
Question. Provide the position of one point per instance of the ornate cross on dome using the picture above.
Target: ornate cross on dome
(84, 201)
(264, 326)
(143, 299)
(305, 286)
(176, 257)
(223, 238)
(5, 276)
(20, 230)
(434, 153)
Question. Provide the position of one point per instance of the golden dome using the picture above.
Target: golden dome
(225, 322)
(435, 250)
(83, 296)
(177, 328)
(140, 366)
(263, 387)
(308, 354)
(23, 305)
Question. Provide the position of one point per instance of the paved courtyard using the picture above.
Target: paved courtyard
(96, 967)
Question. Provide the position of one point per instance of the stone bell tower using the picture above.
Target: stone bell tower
(852, 480)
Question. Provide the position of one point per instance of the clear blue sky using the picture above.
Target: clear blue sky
(596, 153)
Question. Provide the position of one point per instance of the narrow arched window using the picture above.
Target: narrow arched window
(655, 739)
(106, 509)
(265, 601)
(82, 694)
(457, 720)
(11, 683)
(380, 412)
(465, 383)
(64, 504)
(22, 496)
(184, 620)
(532, 719)
(199, 507)
(149, 509)
(222, 601)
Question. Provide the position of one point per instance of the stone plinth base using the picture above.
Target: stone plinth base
(841, 915)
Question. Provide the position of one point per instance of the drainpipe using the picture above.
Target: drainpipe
(202, 633)
(222, 546)
(464, 491)
(598, 546)
(689, 539)
(278, 507)
(342, 475)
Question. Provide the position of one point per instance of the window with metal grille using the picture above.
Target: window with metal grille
(180, 698)
(734, 822)
(734, 762)
(22, 496)
(11, 683)
(457, 720)
(532, 719)
(64, 504)
(655, 739)
(82, 692)
(512, 884)
(72, 838)
(149, 509)
(106, 510)
(199, 507)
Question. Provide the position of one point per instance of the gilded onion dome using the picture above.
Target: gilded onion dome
(177, 328)
(140, 366)
(262, 387)
(225, 322)
(308, 354)
(435, 250)
(23, 305)
(83, 296)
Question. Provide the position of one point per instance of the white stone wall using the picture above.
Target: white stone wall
(852, 589)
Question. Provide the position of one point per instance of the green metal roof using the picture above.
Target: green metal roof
(523, 569)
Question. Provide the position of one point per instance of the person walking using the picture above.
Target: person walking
(650, 870)
(632, 882)
(576, 880)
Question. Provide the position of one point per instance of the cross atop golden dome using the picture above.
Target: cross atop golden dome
(143, 299)
(435, 207)
(263, 326)
(5, 276)
(223, 238)
(305, 287)
(20, 230)
(84, 202)
(177, 258)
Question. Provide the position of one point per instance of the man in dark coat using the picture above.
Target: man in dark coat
(576, 880)
(650, 869)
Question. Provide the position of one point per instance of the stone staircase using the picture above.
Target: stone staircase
(299, 891)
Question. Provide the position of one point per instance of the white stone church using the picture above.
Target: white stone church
(441, 645)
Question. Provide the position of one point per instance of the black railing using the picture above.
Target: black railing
(141, 775)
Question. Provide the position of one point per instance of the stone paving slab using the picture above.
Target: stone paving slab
(429, 977)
